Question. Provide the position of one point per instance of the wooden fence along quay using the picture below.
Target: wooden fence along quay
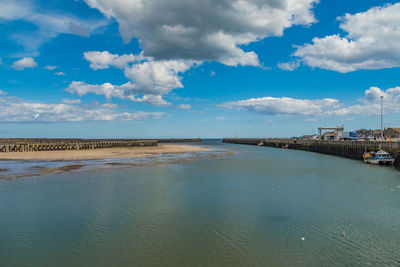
(25, 145)
(348, 149)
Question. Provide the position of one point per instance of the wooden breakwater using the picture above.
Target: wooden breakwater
(46, 144)
(51, 144)
(348, 149)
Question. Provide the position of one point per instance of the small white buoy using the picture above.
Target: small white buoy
(303, 238)
(391, 190)
(344, 234)
(398, 186)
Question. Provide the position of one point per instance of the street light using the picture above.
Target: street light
(382, 116)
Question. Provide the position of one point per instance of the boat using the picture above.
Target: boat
(260, 144)
(285, 146)
(378, 158)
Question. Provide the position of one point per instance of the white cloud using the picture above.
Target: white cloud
(156, 100)
(50, 67)
(368, 105)
(48, 24)
(284, 105)
(104, 59)
(184, 106)
(210, 30)
(71, 101)
(289, 66)
(150, 76)
(151, 79)
(2, 92)
(26, 62)
(178, 35)
(158, 77)
(106, 89)
(372, 42)
(18, 110)
(125, 91)
(60, 73)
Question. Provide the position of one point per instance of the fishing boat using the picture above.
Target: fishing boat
(285, 146)
(378, 158)
(260, 144)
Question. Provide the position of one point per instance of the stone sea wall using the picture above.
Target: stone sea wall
(348, 149)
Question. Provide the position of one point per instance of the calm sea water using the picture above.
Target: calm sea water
(248, 209)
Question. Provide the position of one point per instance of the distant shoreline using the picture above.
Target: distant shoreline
(104, 153)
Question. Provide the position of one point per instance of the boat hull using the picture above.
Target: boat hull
(379, 161)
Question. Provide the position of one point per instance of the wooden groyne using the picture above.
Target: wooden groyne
(51, 144)
(36, 144)
(348, 149)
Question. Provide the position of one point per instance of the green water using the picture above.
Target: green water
(248, 209)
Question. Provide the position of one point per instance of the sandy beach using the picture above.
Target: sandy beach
(109, 153)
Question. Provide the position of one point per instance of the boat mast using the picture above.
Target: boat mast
(382, 116)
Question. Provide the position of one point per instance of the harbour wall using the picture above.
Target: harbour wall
(347, 149)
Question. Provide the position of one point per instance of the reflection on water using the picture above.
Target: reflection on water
(248, 209)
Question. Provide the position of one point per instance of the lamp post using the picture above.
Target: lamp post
(382, 116)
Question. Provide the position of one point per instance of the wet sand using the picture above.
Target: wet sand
(108, 153)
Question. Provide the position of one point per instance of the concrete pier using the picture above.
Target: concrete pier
(348, 149)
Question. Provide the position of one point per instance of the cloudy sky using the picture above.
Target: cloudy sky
(189, 68)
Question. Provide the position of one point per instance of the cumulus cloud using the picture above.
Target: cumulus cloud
(60, 73)
(26, 62)
(126, 91)
(372, 42)
(103, 60)
(48, 24)
(150, 79)
(107, 89)
(158, 77)
(18, 110)
(177, 35)
(289, 66)
(206, 30)
(368, 105)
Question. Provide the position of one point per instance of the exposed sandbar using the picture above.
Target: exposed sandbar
(107, 153)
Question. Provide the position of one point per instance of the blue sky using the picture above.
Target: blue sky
(148, 69)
